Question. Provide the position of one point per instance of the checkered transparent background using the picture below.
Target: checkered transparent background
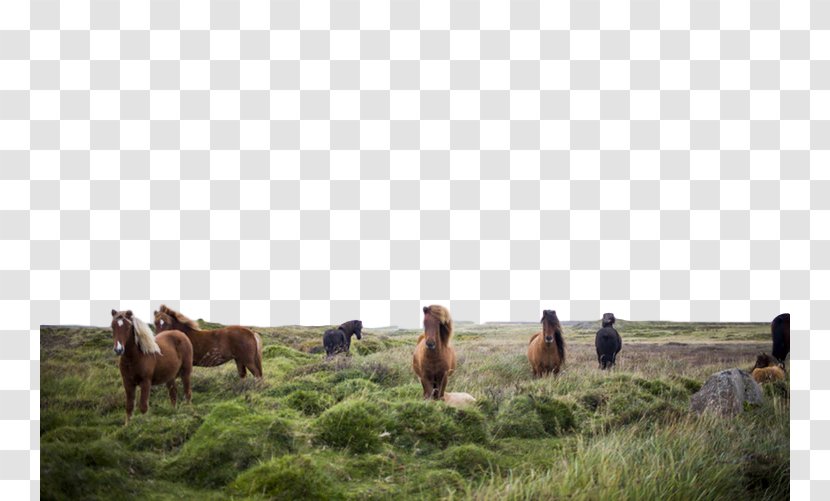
(280, 162)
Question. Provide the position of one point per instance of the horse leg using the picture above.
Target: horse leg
(240, 367)
(171, 389)
(129, 389)
(144, 403)
(252, 366)
(443, 386)
(427, 389)
(186, 382)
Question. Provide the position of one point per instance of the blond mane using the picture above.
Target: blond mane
(179, 317)
(144, 337)
(443, 316)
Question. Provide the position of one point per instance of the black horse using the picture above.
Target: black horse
(608, 342)
(339, 340)
(780, 327)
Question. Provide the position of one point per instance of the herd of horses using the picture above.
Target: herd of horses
(148, 359)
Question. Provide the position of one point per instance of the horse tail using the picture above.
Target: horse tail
(560, 344)
(258, 356)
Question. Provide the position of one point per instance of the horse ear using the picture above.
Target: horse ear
(129, 313)
(114, 313)
(155, 312)
(426, 309)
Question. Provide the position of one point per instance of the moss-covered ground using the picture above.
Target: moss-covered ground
(356, 428)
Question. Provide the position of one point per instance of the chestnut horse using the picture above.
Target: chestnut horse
(434, 358)
(768, 369)
(147, 360)
(546, 350)
(217, 346)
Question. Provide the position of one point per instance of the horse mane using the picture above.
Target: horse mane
(557, 335)
(444, 319)
(179, 317)
(348, 327)
(144, 337)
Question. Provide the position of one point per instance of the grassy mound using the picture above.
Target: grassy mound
(308, 402)
(232, 438)
(101, 469)
(518, 418)
(287, 478)
(355, 425)
(468, 459)
(158, 433)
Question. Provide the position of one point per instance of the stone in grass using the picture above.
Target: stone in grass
(727, 393)
(459, 399)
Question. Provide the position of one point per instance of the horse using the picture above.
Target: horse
(339, 340)
(608, 342)
(546, 350)
(148, 360)
(780, 327)
(434, 358)
(215, 347)
(767, 369)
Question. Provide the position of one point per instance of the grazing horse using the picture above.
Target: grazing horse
(608, 342)
(546, 350)
(767, 369)
(147, 360)
(780, 328)
(339, 340)
(217, 346)
(434, 358)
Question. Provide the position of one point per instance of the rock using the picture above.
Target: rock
(458, 399)
(726, 393)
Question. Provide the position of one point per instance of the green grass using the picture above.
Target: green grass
(356, 427)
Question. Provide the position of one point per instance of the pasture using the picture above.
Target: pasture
(357, 428)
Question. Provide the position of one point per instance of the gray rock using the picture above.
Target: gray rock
(726, 393)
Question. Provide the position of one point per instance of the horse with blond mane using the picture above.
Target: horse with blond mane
(434, 358)
(215, 347)
(546, 350)
(148, 360)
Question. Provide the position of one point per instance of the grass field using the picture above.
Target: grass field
(356, 427)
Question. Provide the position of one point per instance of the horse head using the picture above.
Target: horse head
(764, 360)
(549, 317)
(163, 321)
(608, 319)
(437, 325)
(358, 328)
(122, 329)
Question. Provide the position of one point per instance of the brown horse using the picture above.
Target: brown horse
(434, 358)
(546, 350)
(147, 360)
(217, 346)
(768, 369)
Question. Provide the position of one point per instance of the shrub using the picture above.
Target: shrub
(289, 478)
(355, 425)
(231, 439)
